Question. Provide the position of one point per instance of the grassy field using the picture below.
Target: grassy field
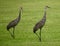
(33, 11)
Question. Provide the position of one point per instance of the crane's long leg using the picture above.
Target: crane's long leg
(13, 32)
(37, 35)
(40, 35)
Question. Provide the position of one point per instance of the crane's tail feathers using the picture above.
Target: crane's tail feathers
(34, 31)
(7, 28)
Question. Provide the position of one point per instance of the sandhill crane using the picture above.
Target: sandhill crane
(13, 23)
(41, 23)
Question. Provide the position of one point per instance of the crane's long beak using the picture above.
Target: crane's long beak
(22, 9)
(48, 7)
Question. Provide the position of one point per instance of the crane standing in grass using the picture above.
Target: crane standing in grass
(40, 24)
(13, 23)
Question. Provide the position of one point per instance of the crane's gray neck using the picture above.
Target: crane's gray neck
(45, 13)
(19, 14)
(19, 17)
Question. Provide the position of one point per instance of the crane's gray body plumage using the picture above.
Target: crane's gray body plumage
(41, 23)
(13, 23)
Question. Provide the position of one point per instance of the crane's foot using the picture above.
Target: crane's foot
(13, 37)
(40, 39)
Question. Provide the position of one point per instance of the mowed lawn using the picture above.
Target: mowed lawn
(33, 11)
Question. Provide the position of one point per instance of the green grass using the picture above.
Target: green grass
(33, 11)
